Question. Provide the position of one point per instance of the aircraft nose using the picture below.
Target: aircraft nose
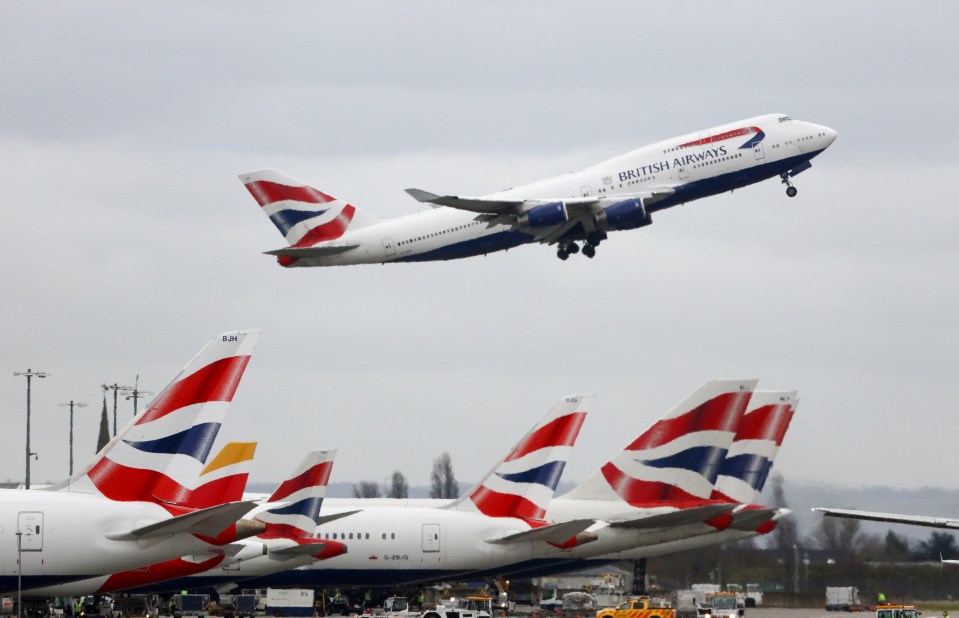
(830, 135)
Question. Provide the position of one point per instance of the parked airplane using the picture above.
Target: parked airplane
(621, 193)
(697, 513)
(742, 475)
(499, 521)
(125, 508)
(290, 516)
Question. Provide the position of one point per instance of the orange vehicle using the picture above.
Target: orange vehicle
(897, 611)
(637, 608)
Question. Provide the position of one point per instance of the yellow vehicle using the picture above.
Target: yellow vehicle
(637, 608)
(897, 611)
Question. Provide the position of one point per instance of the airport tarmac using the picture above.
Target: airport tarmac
(812, 612)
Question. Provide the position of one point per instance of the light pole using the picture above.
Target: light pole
(72, 404)
(114, 387)
(134, 393)
(30, 374)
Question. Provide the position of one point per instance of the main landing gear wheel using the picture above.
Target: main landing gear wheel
(589, 251)
(791, 191)
(572, 248)
(562, 254)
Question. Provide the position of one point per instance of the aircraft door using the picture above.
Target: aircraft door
(388, 247)
(30, 527)
(431, 537)
(758, 152)
(586, 190)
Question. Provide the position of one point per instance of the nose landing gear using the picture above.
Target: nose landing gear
(791, 191)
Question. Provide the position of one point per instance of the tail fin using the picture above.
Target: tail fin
(305, 216)
(298, 499)
(750, 458)
(159, 455)
(224, 477)
(522, 484)
(678, 458)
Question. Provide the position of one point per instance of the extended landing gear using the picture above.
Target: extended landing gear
(791, 191)
(567, 249)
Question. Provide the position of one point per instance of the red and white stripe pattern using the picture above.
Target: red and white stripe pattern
(295, 505)
(523, 483)
(754, 449)
(675, 462)
(160, 455)
(304, 215)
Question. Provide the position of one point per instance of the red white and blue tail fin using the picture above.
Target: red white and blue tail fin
(754, 449)
(522, 484)
(224, 477)
(677, 460)
(305, 216)
(295, 505)
(160, 455)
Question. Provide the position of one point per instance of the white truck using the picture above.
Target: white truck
(468, 607)
(843, 599)
(289, 602)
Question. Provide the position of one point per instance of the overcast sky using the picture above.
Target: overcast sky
(128, 241)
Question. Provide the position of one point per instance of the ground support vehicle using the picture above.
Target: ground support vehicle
(722, 605)
(190, 605)
(843, 599)
(887, 610)
(638, 608)
(289, 602)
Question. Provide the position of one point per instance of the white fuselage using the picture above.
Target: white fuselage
(693, 171)
(65, 537)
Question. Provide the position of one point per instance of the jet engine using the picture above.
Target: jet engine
(625, 215)
(544, 215)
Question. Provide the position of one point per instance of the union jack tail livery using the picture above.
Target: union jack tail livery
(304, 216)
(295, 505)
(161, 455)
(676, 461)
(522, 484)
(746, 467)
(224, 477)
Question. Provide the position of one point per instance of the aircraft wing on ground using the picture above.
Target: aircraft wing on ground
(206, 522)
(556, 533)
(892, 518)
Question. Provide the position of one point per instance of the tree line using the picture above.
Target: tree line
(442, 483)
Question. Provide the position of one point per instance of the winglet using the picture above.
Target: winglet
(423, 196)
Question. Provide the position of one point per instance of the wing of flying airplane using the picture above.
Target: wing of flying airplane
(892, 518)
(547, 218)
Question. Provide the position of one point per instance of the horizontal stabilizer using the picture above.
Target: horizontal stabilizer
(325, 519)
(751, 519)
(311, 252)
(204, 522)
(293, 551)
(555, 533)
(892, 518)
(672, 519)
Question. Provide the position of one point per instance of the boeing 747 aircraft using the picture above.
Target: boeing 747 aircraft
(621, 193)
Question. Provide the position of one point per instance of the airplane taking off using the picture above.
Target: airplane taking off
(621, 193)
